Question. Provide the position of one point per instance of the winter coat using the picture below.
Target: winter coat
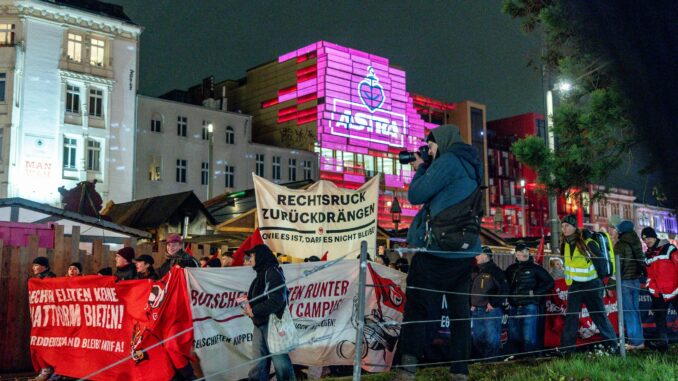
(449, 179)
(128, 272)
(46, 274)
(662, 270)
(181, 258)
(527, 281)
(269, 276)
(630, 252)
(490, 280)
(151, 274)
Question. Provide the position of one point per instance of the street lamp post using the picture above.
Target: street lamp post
(395, 213)
(210, 130)
(522, 205)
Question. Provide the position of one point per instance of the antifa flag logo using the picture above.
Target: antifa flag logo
(388, 293)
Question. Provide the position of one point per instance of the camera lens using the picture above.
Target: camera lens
(406, 157)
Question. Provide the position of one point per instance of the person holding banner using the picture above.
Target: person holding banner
(41, 268)
(259, 306)
(585, 287)
(124, 268)
(176, 255)
(453, 174)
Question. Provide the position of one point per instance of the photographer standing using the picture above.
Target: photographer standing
(450, 177)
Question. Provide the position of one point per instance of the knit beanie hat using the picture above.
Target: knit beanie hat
(487, 251)
(127, 253)
(648, 232)
(78, 265)
(42, 261)
(613, 221)
(570, 219)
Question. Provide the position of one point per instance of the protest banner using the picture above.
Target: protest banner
(587, 332)
(323, 305)
(82, 324)
(323, 219)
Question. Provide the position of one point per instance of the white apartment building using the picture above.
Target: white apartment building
(663, 220)
(178, 151)
(68, 82)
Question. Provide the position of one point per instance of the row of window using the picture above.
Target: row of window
(96, 101)
(81, 48)
(370, 165)
(229, 170)
(182, 128)
(92, 154)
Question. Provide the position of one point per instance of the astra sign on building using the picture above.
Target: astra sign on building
(364, 117)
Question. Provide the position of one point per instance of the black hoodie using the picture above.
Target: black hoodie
(528, 281)
(269, 276)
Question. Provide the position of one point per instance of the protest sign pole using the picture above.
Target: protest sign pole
(362, 278)
(620, 305)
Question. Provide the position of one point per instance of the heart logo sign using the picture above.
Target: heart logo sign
(370, 91)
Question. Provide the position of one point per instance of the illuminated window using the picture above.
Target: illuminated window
(205, 131)
(93, 155)
(72, 99)
(306, 165)
(230, 135)
(155, 168)
(276, 167)
(204, 173)
(96, 52)
(74, 48)
(70, 147)
(229, 172)
(614, 209)
(3, 81)
(259, 168)
(6, 34)
(292, 169)
(181, 171)
(96, 99)
(182, 125)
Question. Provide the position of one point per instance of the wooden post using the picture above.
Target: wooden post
(98, 260)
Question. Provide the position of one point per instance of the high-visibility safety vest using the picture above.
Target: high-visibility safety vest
(577, 266)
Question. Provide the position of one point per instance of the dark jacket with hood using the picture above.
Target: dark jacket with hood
(181, 258)
(489, 281)
(269, 276)
(527, 281)
(128, 272)
(452, 176)
(46, 274)
(151, 274)
(630, 251)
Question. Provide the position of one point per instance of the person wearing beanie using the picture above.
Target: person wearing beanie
(486, 308)
(584, 286)
(41, 268)
(630, 251)
(74, 269)
(175, 255)
(527, 282)
(259, 308)
(124, 268)
(611, 229)
(454, 174)
(661, 259)
(144, 267)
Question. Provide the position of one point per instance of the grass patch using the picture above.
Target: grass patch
(642, 366)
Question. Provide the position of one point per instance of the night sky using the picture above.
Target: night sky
(453, 50)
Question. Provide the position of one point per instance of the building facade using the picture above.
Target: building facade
(68, 81)
(177, 151)
(350, 107)
(663, 220)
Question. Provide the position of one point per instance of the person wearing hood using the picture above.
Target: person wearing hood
(175, 255)
(631, 258)
(124, 268)
(454, 173)
(488, 294)
(527, 282)
(661, 258)
(261, 304)
(584, 286)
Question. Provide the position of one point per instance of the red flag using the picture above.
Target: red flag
(250, 242)
(169, 318)
(324, 258)
(539, 258)
(387, 291)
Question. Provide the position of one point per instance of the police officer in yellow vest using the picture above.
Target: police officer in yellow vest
(584, 286)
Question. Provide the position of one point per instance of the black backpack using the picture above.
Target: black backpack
(603, 263)
(458, 226)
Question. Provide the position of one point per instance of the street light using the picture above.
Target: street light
(395, 213)
(210, 130)
(522, 204)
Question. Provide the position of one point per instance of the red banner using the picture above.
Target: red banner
(587, 332)
(90, 326)
(83, 324)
